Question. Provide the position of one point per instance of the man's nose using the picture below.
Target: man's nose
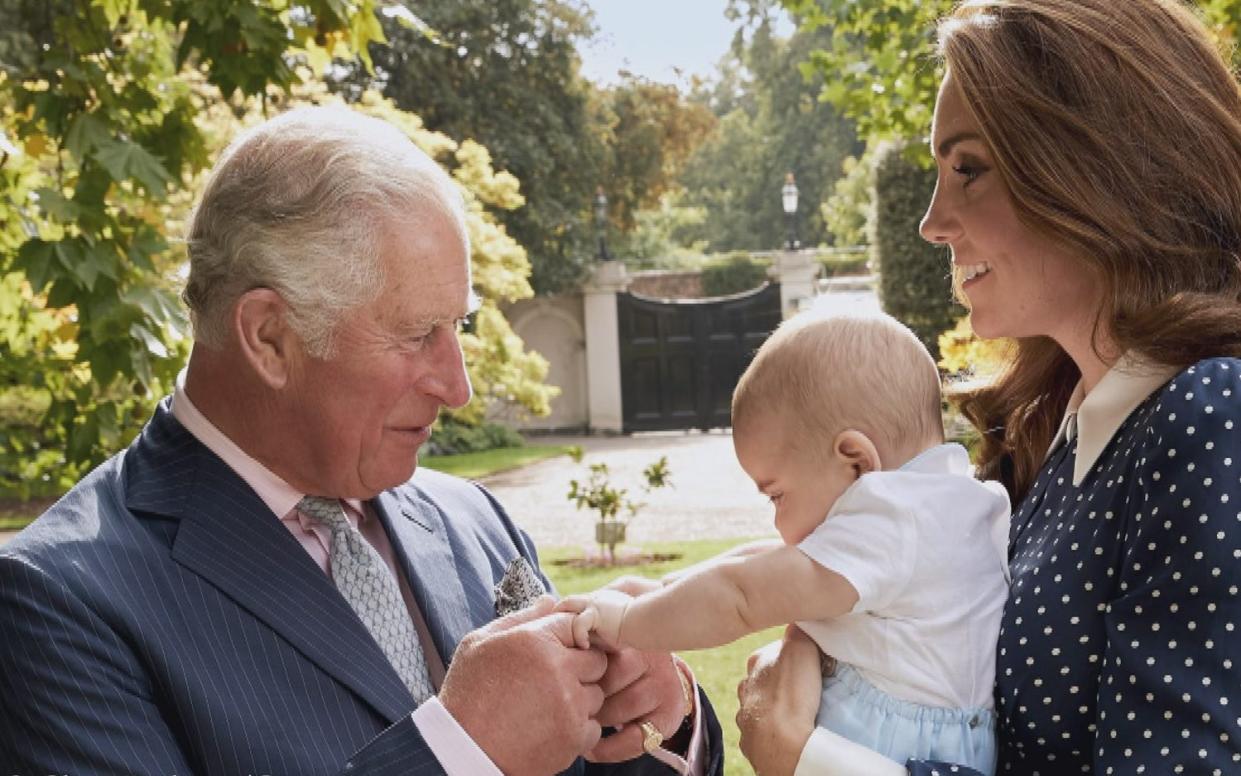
(447, 379)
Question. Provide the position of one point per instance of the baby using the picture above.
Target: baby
(891, 554)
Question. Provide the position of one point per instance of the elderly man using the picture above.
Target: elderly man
(261, 584)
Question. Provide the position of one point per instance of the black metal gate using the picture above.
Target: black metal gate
(680, 360)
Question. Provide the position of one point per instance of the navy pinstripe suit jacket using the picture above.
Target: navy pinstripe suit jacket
(159, 620)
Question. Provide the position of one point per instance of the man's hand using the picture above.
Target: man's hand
(525, 695)
(639, 687)
(779, 701)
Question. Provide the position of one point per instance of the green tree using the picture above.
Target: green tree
(505, 73)
(109, 110)
(648, 131)
(774, 123)
(881, 56)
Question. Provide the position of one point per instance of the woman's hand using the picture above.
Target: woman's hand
(779, 701)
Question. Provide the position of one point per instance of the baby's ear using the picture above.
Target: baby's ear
(855, 450)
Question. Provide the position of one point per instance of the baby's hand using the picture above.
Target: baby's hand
(600, 613)
(581, 606)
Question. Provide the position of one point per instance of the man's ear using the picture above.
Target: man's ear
(263, 334)
(855, 450)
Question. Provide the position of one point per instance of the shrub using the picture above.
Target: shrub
(964, 354)
(842, 263)
(732, 274)
(915, 281)
(452, 437)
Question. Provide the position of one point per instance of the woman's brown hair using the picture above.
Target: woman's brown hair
(1116, 125)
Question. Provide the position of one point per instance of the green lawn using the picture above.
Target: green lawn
(15, 522)
(718, 670)
(474, 465)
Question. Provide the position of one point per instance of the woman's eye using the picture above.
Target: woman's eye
(967, 171)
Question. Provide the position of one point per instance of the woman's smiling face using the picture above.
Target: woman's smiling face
(1016, 281)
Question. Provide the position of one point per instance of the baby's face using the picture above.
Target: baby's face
(800, 485)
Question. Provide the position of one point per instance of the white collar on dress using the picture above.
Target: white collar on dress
(1094, 418)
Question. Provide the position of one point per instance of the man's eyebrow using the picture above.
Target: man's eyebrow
(946, 146)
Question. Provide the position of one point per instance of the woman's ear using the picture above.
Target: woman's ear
(855, 450)
(263, 335)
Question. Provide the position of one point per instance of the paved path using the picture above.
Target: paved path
(711, 496)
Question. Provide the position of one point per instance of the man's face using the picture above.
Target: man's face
(363, 414)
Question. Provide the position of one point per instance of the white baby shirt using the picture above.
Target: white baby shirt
(925, 547)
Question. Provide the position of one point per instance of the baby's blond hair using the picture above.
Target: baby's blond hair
(820, 374)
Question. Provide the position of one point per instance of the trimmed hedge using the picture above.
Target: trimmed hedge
(915, 279)
(732, 274)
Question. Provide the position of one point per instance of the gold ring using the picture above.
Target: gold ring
(651, 738)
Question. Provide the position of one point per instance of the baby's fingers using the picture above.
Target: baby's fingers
(583, 623)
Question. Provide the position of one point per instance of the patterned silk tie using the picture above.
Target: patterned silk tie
(367, 584)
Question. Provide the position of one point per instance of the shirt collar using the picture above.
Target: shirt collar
(279, 496)
(1094, 418)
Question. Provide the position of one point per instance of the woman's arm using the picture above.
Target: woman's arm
(1170, 672)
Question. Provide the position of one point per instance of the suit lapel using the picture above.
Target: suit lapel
(229, 538)
(418, 534)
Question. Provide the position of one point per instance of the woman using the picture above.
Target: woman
(1089, 187)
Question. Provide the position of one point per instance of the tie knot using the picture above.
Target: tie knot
(326, 511)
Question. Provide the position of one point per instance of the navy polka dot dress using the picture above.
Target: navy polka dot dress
(1120, 649)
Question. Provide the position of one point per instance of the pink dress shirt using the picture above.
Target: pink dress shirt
(452, 746)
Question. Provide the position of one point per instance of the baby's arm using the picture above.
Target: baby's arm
(718, 603)
(741, 550)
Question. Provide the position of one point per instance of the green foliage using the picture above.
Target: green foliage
(733, 273)
(452, 437)
(597, 493)
(838, 263)
(964, 355)
(109, 111)
(653, 243)
(915, 282)
(648, 132)
(879, 60)
(771, 123)
(847, 210)
(103, 139)
(505, 75)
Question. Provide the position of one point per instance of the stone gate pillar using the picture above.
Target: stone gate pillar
(603, 374)
(796, 272)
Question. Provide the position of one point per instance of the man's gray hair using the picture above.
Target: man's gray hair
(302, 205)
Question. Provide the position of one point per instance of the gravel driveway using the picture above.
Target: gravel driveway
(710, 497)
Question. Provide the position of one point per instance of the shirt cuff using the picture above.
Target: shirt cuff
(694, 762)
(451, 745)
(829, 754)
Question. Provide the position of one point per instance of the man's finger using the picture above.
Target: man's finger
(623, 745)
(541, 606)
(625, 666)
